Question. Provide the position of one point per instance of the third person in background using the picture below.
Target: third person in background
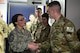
(38, 14)
(42, 34)
(32, 19)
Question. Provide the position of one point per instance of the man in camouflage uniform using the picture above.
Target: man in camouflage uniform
(3, 34)
(42, 34)
(63, 38)
(37, 22)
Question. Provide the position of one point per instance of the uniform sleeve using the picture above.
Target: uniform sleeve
(71, 37)
(19, 43)
(44, 41)
(5, 30)
(29, 36)
(13, 44)
(45, 46)
(11, 40)
(33, 30)
(11, 27)
(28, 39)
(2, 47)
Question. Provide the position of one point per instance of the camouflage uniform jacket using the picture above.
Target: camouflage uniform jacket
(42, 33)
(2, 47)
(4, 28)
(41, 37)
(28, 25)
(63, 38)
(3, 35)
(34, 27)
(18, 40)
(11, 27)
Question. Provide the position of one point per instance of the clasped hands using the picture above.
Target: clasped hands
(33, 46)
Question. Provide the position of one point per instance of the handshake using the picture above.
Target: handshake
(33, 46)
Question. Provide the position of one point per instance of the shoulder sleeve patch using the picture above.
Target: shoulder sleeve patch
(11, 38)
(70, 29)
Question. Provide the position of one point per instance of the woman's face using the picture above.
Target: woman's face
(21, 21)
(32, 18)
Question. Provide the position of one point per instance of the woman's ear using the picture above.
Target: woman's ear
(16, 23)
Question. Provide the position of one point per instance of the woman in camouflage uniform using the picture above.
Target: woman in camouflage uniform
(20, 40)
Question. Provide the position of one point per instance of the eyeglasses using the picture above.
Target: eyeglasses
(22, 19)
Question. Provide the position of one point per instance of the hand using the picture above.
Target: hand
(38, 51)
(34, 41)
(33, 46)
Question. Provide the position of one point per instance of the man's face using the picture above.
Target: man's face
(44, 21)
(51, 12)
(38, 12)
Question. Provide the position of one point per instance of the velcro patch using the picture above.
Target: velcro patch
(70, 29)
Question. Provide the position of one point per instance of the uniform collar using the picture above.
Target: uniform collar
(19, 30)
(60, 19)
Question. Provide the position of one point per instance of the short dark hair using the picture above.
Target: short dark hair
(45, 15)
(53, 3)
(38, 9)
(15, 17)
